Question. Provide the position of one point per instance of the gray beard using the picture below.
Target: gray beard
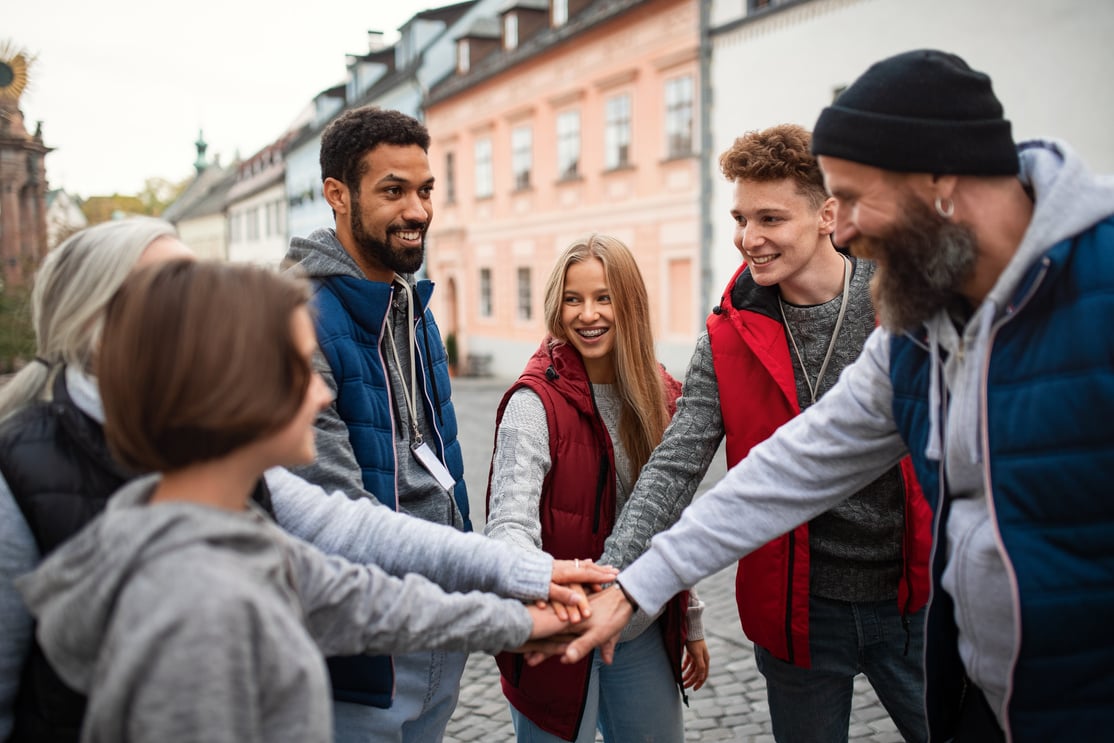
(922, 263)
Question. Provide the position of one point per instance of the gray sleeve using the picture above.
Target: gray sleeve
(335, 467)
(366, 531)
(816, 460)
(669, 479)
(359, 608)
(18, 555)
(520, 466)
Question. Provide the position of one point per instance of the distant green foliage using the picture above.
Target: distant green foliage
(17, 339)
(450, 349)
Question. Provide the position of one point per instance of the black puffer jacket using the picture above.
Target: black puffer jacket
(56, 462)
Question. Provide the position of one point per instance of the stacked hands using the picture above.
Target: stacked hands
(572, 623)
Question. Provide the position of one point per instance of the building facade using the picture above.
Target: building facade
(255, 206)
(63, 217)
(775, 61)
(23, 186)
(564, 119)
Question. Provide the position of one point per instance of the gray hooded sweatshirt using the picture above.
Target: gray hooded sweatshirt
(849, 437)
(336, 468)
(188, 623)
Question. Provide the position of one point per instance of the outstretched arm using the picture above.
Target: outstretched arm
(365, 531)
(821, 457)
(353, 609)
(669, 479)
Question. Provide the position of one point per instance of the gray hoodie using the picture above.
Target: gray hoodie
(319, 255)
(188, 623)
(849, 437)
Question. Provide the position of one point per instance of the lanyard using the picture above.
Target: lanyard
(812, 389)
(411, 395)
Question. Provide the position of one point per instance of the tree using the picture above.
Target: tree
(159, 193)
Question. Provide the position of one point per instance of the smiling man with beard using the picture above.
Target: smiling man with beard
(994, 370)
(391, 433)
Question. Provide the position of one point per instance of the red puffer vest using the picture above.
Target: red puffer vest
(577, 515)
(758, 394)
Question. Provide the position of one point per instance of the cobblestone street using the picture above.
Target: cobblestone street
(730, 707)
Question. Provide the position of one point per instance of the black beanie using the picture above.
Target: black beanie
(923, 111)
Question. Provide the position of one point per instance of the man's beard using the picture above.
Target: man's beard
(923, 261)
(379, 252)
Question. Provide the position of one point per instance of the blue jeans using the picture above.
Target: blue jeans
(633, 699)
(813, 705)
(427, 686)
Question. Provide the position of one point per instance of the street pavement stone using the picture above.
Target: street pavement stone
(732, 704)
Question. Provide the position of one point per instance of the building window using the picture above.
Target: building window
(617, 136)
(678, 116)
(560, 12)
(485, 292)
(463, 57)
(525, 303)
(510, 31)
(568, 144)
(253, 223)
(484, 186)
(450, 178)
(522, 156)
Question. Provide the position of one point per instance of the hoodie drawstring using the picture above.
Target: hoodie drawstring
(429, 360)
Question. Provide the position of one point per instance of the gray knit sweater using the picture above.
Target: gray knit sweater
(848, 569)
(855, 548)
(521, 463)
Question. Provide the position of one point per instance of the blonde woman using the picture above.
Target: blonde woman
(572, 435)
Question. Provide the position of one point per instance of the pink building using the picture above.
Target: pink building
(565, 118)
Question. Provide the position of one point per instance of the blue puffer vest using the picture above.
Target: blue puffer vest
(351, 313)
(1048, 441)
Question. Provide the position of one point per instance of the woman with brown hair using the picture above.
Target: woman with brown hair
(572, 435)
(182, 610)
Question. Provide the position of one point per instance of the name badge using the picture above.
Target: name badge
(433, 466)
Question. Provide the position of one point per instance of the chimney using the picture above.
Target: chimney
(375, 41)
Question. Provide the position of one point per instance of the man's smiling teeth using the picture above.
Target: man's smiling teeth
(409, 235)
(594, 333)
(761, 260)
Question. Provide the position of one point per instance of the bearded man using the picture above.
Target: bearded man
(993, 369)
(391, 432)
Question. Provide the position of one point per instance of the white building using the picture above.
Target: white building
(256, 206)
(775, 61)
(63, 217)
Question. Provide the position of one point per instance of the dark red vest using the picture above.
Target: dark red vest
(577, 515)
(758, 393)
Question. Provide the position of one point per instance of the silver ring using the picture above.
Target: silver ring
(576, 562)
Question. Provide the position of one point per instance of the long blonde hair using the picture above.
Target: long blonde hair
(643, 416)
(71, 289)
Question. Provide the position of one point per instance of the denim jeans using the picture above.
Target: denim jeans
(633, 699)
(813, 705)
(427, 686)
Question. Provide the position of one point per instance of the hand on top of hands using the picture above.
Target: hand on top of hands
(572, 581)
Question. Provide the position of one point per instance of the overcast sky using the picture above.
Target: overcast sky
(122, 86)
